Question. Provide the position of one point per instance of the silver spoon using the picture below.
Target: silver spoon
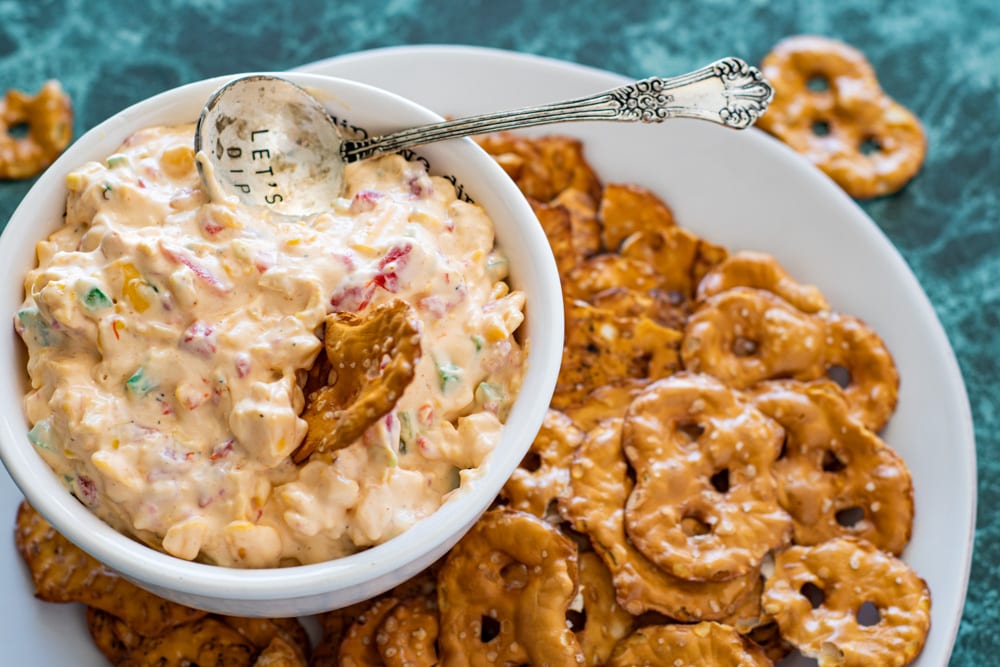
(272, 144)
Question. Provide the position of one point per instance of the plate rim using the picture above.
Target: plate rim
(949, 360)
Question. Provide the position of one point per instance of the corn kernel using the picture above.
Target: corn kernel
(185, 538)
(428, 221)
(112, 468)
(178, 161)
(74, 181)
(500, 290)
(224, 217)
(252, 545)
(494, 330)
(132, 284)
(362, 247)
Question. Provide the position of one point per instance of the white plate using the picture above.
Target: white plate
(741, 189)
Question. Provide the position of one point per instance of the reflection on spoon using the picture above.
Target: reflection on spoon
(270, 143)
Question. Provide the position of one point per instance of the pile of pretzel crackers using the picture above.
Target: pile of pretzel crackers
(708, 486)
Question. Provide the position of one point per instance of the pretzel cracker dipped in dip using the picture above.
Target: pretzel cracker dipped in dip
(169, 337)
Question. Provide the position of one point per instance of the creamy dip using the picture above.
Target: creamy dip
(169, 337)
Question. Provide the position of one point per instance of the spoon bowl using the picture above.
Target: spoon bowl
(270, 143)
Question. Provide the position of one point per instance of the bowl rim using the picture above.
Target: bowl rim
(161, 570)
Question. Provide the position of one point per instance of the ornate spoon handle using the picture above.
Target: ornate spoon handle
(729, 92)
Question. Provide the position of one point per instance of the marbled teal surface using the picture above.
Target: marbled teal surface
(941, 59)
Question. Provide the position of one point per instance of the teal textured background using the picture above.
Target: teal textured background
(940, 59)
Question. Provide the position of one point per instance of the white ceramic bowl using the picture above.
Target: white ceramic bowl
(310, 588)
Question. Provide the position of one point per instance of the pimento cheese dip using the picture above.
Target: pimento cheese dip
(169, 337)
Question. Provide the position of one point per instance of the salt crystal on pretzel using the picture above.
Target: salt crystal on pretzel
(570, 225)
(594, 504)
(749, 614)
(585, 228)
(335, 625)
(608, 401)
(544, 474)
(521, 159)
(543, 167)
(704, 506)
(640, 226)
(608, 270)
(871, 385)
(111, 635)
(829, 106)
(626, 209)
(672, 251)
(408, 634)
(706, 643)
(373, 358)
(681, 258)
(206, 641)
(518, 574)
(816, 595)
(768, 637)
(667, 308)
(756, 625)
(49, 119)
(605, 622)
(280, 653)
(745, 335)
(568, 169)
(709, 256)
(262, 633)
(359, 648)
(556, 223)
(832, 467)
(603, 347)
(761, 271)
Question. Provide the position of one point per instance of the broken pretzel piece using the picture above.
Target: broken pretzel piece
(373, 358)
